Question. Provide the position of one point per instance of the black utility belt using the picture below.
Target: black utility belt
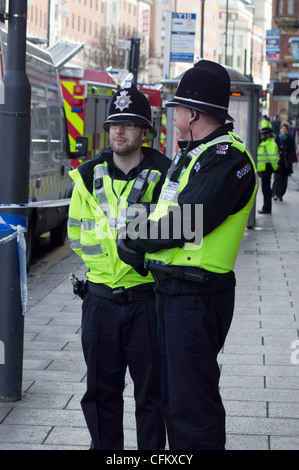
(162, 272)
(121, 295)
(202, 281)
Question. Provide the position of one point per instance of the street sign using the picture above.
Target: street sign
(295, 48)
(65, 8)
(183, 28)
(273, 45)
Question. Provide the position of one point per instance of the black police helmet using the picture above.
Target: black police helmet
(130, 105)
(206, 88)
(266, 130)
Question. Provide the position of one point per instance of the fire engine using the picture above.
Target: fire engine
(87, 95)
(154, 96)
(50, 186)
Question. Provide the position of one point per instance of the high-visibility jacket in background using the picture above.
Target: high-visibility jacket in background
(268, 152)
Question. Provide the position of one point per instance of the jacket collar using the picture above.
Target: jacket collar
(222, 130)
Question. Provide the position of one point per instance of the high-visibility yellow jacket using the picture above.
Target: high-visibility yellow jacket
(217, 251)
(98, 209)
(267, 152)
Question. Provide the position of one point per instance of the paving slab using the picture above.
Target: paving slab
(259, 362)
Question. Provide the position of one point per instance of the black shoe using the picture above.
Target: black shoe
(262, 211)
(275, 198)
(280, 199)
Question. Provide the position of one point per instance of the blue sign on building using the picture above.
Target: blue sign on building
(273, 45)
(295, 48)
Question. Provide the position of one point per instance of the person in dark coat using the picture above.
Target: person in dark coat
(287, 159)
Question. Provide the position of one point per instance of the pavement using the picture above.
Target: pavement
(259, 362)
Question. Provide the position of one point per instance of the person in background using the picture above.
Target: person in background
(287, 160)
(276, 124)
(119, 325)
(195, 282)
(267, 164)
(291, 129)
(265, 122)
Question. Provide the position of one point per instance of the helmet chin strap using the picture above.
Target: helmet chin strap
(195, 119)
(191, 134)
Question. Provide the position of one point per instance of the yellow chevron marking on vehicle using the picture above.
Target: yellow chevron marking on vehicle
(72, 143)
(74, 119)
(69, 86)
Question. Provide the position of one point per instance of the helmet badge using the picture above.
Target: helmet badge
(123, 101)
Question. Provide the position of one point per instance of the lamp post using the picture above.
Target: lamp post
(48, 23)
(226, 31)
(251, 7)
(14, 191)
(202, 26)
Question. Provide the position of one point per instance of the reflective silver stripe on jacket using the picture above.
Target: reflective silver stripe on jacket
(99, 173)
(153, 177)
(202, 147)
(73, 222)
(87, 225)
(75, 244)
(92, 250)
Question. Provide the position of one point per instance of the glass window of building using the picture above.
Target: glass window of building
(280, 7)
(290, 7)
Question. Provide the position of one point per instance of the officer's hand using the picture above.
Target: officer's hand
(131, 257)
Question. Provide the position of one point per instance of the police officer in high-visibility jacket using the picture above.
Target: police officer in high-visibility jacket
(119, 320)
(267, 164)
(210, 189)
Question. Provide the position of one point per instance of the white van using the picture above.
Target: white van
(50, 186)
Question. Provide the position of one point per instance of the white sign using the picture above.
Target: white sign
(65, 8)
(183, 28)
(145, 21)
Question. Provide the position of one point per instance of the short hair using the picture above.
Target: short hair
(209, 119)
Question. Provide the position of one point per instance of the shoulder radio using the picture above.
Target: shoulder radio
(139, 187)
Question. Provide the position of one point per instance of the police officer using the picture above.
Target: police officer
(118, 320)
(267, 164)
(194, 276)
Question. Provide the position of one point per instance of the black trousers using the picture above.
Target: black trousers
(192, 331)
(266, 177)
(280, 184)
(115, 336)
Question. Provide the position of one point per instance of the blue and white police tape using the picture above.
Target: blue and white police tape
(14, 226)
(33, 204)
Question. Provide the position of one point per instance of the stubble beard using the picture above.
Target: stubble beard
(125, 149)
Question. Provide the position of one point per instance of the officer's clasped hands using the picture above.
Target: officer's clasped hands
(129, 256)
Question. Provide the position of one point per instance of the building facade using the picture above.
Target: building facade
(242, 37)
(159, 31)
(233, 33)
(285, 70)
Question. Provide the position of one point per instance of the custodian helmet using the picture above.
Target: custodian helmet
(206, 88)
(130, 105)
